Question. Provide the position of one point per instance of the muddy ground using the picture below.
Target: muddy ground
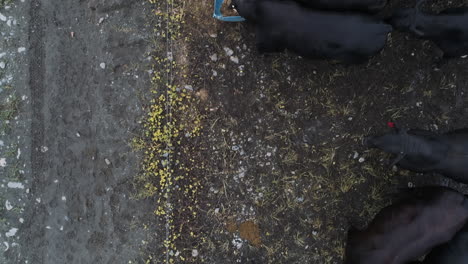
(78, 74)
(275, 168)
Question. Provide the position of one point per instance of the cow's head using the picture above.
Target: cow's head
(391, 142)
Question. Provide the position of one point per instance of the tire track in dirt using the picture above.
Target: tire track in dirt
(36, 83)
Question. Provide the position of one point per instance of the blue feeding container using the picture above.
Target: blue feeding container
(217, 13)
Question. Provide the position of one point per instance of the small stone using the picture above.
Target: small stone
(464, 56)
(228, 51)
(3, 162)
(78, 134)
(8, 205)
(21, 220)
(2, 17)
(102, 65)
(214, 57)
(2, 65)
(107, 162)
(12, 232)
(356, 155)
(15, 185)
(44, 149)
(361, 160)
(234, 59)
(217, 210)
(64, 198)
(194, 253)
(21, 49)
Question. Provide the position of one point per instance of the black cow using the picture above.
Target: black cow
(408, 229)
(351, 38)
(371, 6)
(448, 29)
(424, 151)
(453, 252)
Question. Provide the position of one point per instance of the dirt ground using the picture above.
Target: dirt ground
(283, 137)
(79, 73)
(237, 157)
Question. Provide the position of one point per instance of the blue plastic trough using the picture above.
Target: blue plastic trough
(217, 13)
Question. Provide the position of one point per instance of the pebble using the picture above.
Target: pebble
(361, 159)
(107, 161)
(234, 59)
(2, 17)
(2, 65)
(194, 253)
(228, 51)
(102, 65)
(44, 149)
(15, 185)
(21, 49)
(3, 162)
(356, 155)
(214, 57)
(237, 242)
(8, 205)
(12, 232)
(21, 220)
(2, 54)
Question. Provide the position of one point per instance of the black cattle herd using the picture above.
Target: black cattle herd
(346, 30)
(428, 224)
